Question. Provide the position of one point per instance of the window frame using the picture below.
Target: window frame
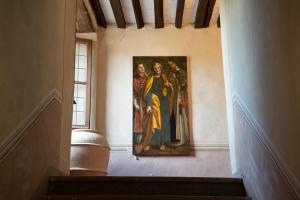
(87, 83)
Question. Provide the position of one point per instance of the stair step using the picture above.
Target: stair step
(187, 186)
(139, 197)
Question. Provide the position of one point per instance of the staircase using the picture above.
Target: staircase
(145, 188)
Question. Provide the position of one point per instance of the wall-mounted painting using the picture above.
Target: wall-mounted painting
(160, 106)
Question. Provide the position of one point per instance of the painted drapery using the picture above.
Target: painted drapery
(160, 106)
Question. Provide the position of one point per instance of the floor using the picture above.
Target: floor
(204, 163)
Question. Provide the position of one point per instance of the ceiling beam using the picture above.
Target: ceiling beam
(98, 13)
(118, 13)
(209, 11)
(200, 13)
(138, 13)
(219, 22)
(179, 13)
(159, 13)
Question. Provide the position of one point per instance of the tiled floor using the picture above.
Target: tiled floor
(205, 163)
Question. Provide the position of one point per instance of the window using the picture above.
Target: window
(81, 106)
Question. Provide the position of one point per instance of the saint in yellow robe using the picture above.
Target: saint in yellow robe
(158, 95)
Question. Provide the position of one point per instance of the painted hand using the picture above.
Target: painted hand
(137, 106)
(167, 84)
(149, 110)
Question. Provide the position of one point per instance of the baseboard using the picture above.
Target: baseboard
(11, 141)
(260, 134)
(128, 147)
(120, 147)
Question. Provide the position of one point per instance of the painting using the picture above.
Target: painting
(160, 106)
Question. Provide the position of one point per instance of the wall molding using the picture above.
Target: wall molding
(261, 135)
(120, 147)
(128, 147)
(15, 136)
(219, 146)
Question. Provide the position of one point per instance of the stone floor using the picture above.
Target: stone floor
(204, 163)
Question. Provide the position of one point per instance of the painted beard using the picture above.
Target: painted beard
(141, 74)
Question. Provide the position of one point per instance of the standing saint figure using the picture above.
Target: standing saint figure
(139, 106)
(179, 111)
(158, 98)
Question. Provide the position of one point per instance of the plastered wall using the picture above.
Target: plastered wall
(31, 57)
(36, 56)
(37, 41)
(116, 47)
(261, 55)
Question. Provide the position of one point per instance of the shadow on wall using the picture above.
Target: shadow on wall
(189, 72)
(257, 164)
(101, 85)
(43, 185)
(27, 165)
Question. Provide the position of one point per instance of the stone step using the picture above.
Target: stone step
(139, 197)
(186, 186)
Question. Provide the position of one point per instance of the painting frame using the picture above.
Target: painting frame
(160, 106)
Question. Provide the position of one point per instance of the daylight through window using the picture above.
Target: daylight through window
(82, 85)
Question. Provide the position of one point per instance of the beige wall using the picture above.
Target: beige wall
(31, 56)
(261, 54)
(36, 56)
(116, 48)
(25, 171)
(204, 163)
(36, 64)
(68, 84)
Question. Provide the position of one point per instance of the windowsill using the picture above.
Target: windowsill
(80, 127)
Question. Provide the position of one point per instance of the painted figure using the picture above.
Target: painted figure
(139, 106)
(179, 120)
(158, 99)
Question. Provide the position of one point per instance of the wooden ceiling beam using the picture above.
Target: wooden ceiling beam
(209, 11)
(179, 13)
(200, 13)
(138, 13)
(98, 13)
(118, 13)
(159, 13)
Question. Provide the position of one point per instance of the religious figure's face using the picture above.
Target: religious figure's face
(141, 69)
(172, 66)
(157, 69)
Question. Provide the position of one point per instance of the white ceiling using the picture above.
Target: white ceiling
(148, 11)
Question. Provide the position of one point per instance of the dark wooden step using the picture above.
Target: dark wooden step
(186, 186)
(139, 197)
